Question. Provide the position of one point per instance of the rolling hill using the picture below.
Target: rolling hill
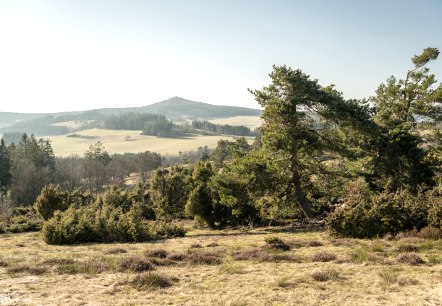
(176, 108)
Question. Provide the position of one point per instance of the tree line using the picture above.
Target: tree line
(159, 125)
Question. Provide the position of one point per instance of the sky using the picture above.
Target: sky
(59, 55)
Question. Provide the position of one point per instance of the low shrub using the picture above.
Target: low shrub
(135, 264)
(314, 243)
(196, 246)
(276, 243)
(116, 251)
(23, 219)
(90, 267)
(204, 258)
(58, 261)
(248, 254)
(408, 248)
(430, 232)
(323, 257)
(389, 276)
(34, 270)
(104, 223)
(177, 257)
(51, 199)
(323, 276)
(148, 280)
(266, 257)
(162, 262)
(435, 212)
(263, 256)
(158, 253)
(412, 259)
(366, 215)
(359, 255)
(163, 230)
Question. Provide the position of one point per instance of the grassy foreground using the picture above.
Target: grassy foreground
(229, 267)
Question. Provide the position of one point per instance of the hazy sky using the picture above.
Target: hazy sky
(59, 55)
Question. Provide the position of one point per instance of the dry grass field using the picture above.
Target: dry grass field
(249, 121)
(122, 141)
(264, 266)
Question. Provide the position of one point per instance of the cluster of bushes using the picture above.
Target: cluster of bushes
(104, 223)
(116, 216)
(239, 130)
(365, 214)
(22, 219)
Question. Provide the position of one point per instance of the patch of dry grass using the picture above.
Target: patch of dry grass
(241, 270)
(115, 141)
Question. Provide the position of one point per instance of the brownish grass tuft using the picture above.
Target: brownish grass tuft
(297, 243)
(407, 281)
(58, 261)
(276, 243)
(375, 258)
(314, 243)
(177, 256)
(411, 259)
(196, 246)
(213, 244)
(389, 276)
(429, 232)
(116, 251)
(342, 242)
(162, 261)
(91, 267)
(323, 257)
(408, 248)
(3, 263)
(266, 257)
(204, 259)
(148, 280)
(261, 255)
(248, 254)
(323, 276)
(158, 253)
(27, 269)
(136, 264)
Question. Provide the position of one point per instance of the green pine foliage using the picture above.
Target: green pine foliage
(367, 214)
(169, 191)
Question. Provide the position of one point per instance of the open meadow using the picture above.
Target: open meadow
(122, 141)
(263, 266)
(251, 122)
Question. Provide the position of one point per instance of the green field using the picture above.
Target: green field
(122, 141)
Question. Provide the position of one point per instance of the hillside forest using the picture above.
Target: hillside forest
(362, 168)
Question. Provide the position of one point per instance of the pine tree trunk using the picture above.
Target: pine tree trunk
(300, 196)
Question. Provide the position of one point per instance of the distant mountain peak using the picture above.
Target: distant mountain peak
(178, 107)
